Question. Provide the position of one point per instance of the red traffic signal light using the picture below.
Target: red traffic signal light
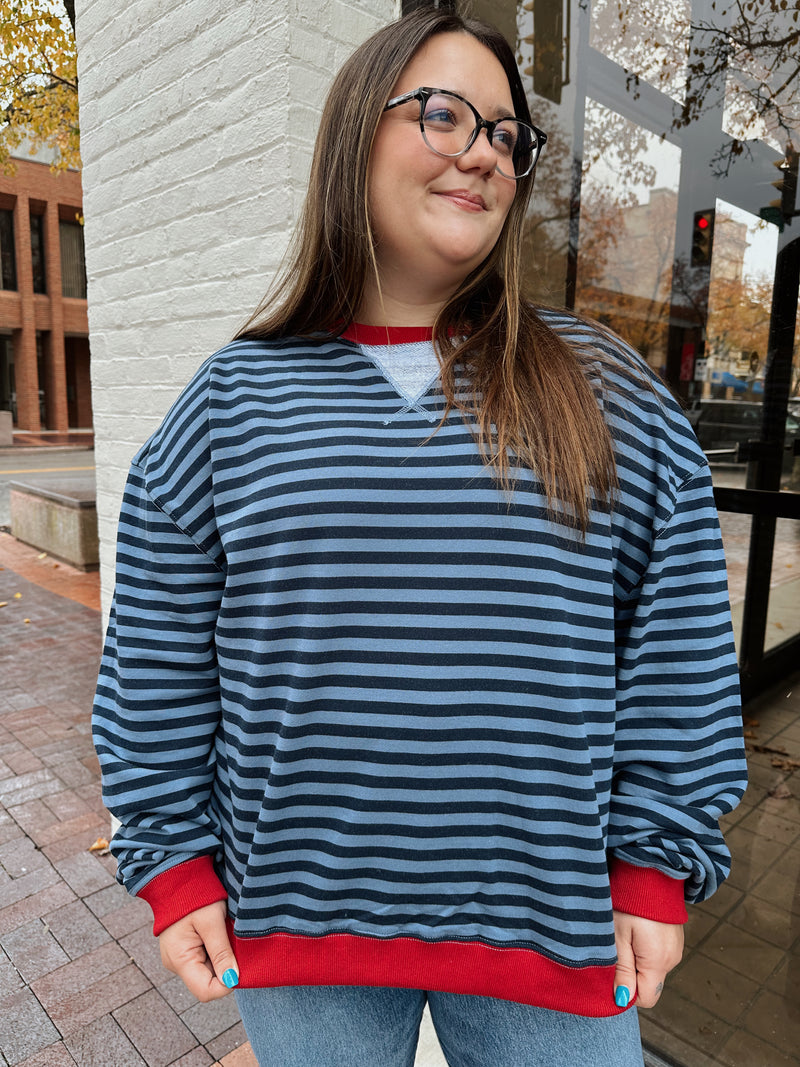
(702, 238)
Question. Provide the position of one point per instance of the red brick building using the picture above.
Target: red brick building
(44, 332)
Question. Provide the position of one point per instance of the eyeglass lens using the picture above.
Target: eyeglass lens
(448, 124)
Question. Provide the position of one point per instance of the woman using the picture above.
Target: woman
(420, 666)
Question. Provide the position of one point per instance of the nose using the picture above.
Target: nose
(480, 155)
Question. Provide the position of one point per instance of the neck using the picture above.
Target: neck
(387, 306)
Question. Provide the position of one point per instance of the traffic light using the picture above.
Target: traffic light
(787, 184)
(702, 238)
(782, 210)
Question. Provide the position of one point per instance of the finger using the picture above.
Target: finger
(656, 948)
(218, 949)
(650, 987)
(653, 970)
(199, 978)
(183, 953)
(624, 974)
(192, 947)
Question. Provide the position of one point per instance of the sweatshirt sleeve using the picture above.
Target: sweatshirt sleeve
(157, 705)
(679, 752)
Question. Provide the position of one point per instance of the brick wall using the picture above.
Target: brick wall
(197, 125)
(34, 187)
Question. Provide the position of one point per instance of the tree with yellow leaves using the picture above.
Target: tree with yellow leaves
(39, 80)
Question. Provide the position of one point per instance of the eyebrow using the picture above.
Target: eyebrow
(499, 111)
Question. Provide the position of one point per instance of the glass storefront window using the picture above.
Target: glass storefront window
(655, 211)
(784, 594)
(629, 201)
(650, 40)
(756, 45)
(739, 300)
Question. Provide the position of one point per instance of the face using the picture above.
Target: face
(434, 218)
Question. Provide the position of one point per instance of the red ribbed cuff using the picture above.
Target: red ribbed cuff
(646, 892)
(181, 890)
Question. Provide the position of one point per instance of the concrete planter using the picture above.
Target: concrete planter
(61, 522)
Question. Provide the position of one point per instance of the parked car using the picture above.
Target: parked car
(723, 424)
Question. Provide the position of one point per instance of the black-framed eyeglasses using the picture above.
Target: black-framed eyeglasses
(450, 126)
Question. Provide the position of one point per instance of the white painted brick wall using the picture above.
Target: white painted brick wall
(188, 114)
(190, 195)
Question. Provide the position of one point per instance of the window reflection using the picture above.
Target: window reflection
(739, 302)
(629, 203)
(649, 130)
(650, 40)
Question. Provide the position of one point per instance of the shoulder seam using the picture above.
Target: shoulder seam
(175, 522)
(660, 528)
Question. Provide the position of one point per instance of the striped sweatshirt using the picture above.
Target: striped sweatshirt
(415, 733)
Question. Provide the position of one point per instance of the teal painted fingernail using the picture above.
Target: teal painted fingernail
(622, 996)
(231, 979)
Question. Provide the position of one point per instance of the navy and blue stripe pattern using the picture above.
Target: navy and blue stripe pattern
(389, 699)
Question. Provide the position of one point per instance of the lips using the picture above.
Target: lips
(465, 199)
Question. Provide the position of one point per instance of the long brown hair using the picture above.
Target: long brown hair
(530, 402)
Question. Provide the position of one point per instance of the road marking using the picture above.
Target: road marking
(47, 470)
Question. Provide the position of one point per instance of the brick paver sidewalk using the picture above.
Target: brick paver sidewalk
(81, 981)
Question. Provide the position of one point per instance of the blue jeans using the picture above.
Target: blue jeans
(361, 1026)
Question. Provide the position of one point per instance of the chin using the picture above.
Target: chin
(464, 265)
(461, 253)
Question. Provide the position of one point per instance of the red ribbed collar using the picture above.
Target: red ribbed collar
(386, 335)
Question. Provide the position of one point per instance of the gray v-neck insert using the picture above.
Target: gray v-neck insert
(410, 367)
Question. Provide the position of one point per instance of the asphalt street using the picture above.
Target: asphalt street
(52, 467)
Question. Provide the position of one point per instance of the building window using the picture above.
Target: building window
(8, 259)
(37, 254)
(73, 260)
(41, 378)
(8, 395)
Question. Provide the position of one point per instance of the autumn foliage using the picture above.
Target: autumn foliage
(38, 80)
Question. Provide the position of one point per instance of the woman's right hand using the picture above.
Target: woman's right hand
(197, 949)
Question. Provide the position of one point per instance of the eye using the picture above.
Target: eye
(441, 113)
(505, 138)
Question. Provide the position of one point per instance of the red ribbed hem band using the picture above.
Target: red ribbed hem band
(471, 967)
(516, 974)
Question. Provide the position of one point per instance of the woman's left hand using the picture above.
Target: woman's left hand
(646, 952)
